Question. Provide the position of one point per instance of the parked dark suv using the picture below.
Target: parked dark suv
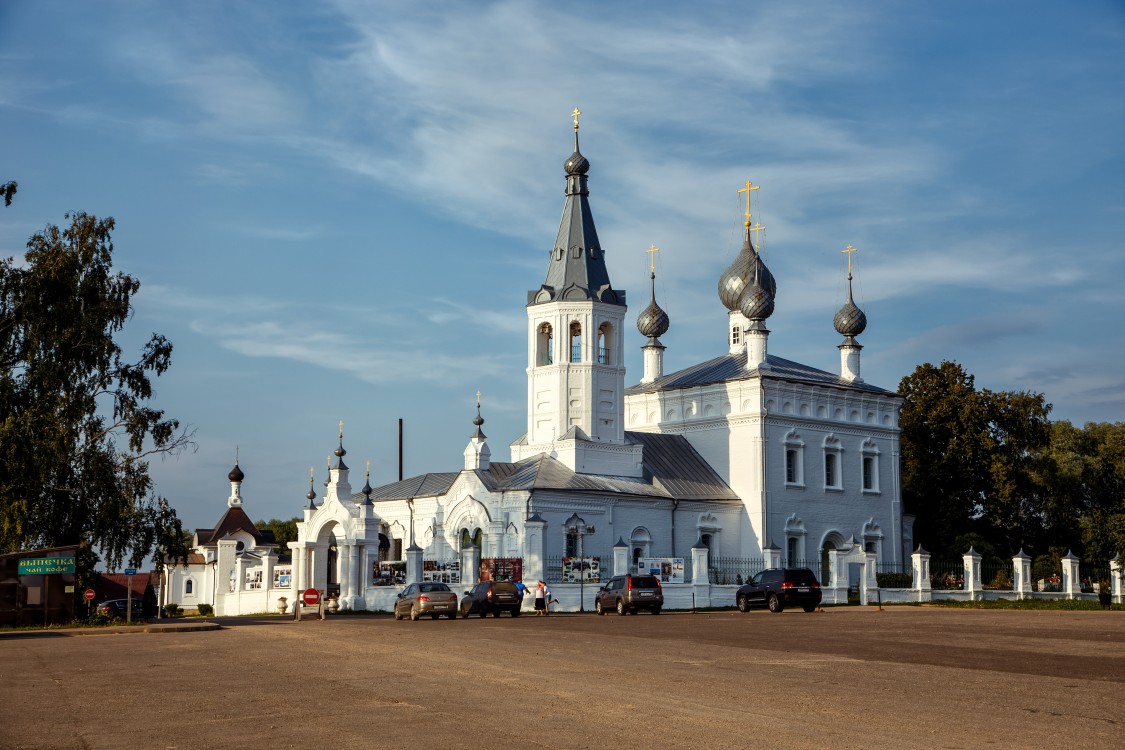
(116, 609)
(778, 588)
(627, 594)
(492, 597)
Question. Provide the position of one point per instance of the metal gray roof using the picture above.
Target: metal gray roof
(577, 269)
(423, 485)
(733, 367)
(672, 470)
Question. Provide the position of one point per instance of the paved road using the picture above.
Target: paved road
(847, 677)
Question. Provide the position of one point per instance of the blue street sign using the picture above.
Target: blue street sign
(130, 571)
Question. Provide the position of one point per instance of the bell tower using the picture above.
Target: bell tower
(575, 362)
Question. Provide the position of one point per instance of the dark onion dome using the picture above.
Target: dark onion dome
(732, 283)
(577, 163)
(311, 495)
(757, 303)
(478, 420)
(653, 322)
(850, 320)
(236, 474)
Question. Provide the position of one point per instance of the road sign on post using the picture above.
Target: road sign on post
(89, 594)
(310, 597)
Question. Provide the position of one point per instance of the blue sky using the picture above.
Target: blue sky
(336, 209)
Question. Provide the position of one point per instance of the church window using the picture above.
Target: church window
(572, 542)
(605, 344)
(188, 586)
(832, 450)
(870, 467)
(575, 342)
(735, 335)
(791, 551)
(397, 555)
(794, 460)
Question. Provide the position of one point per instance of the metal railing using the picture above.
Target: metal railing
(949, 576)
(734, 570)
(996, 576)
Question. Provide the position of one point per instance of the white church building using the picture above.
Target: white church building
(705, 474)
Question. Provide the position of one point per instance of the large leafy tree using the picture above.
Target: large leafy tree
(1086, 487)
(972, 460)
(76, 426)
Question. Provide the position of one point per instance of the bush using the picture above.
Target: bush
(206, 610)
(172, 610)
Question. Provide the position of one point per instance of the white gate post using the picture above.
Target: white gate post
(1115, 576)
(470, 565)
(1021, 575)
(534, 564)
(870, 581)
(700, 561)
(772, 554)
(1070, 581)
(413, 564)
(971, 560)
(920, 562)
(839, 574)
(620, 557)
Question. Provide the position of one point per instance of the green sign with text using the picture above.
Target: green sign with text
(33, 566)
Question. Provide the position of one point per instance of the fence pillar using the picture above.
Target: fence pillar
(870, 581)
(700, 575)
(1021, 575)
(534, 563)
(1115, 576)
(470, 565)
(1071, 583)
(620, 557)
(413, 564)
(971, 560)
(920, 564)
(772, 555)
(839, 576)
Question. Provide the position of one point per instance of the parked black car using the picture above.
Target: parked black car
(116, 608)
(627, 594)
(492, 598)
(778, 588)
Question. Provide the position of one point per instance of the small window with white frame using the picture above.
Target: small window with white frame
(794, 459)
(833, 479)
(869, 458)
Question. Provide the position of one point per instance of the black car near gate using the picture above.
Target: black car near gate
(778, 588)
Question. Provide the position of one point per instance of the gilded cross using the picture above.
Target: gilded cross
(849, 250)
(341, 429)
(576, 114)
(652, 251)
(369, 468)
(749, 187)
(478, 399)
(757, 228)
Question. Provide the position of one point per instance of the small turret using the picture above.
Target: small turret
(235, 476)
(653, 322)
(477, 453)
(850, 321)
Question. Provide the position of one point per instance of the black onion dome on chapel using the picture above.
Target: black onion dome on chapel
(236, 474)
(757, 303)
(478, 420)
(653, 321)
(577, 269)
(734, 281)
(850, 321)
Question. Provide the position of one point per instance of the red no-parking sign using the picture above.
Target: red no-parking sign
(310, 597)
(89, 594)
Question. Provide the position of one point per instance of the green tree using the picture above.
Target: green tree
(972, 461)
(945, 454)
(1086, 494)
(76, 430)
(283, 532)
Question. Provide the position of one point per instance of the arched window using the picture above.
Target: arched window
(471, 539)
(545, 345)
(641, 541)
(870, 466)
(605, 344)
(794, 459)
(832, 473)
(188, 586)
(576, 342)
